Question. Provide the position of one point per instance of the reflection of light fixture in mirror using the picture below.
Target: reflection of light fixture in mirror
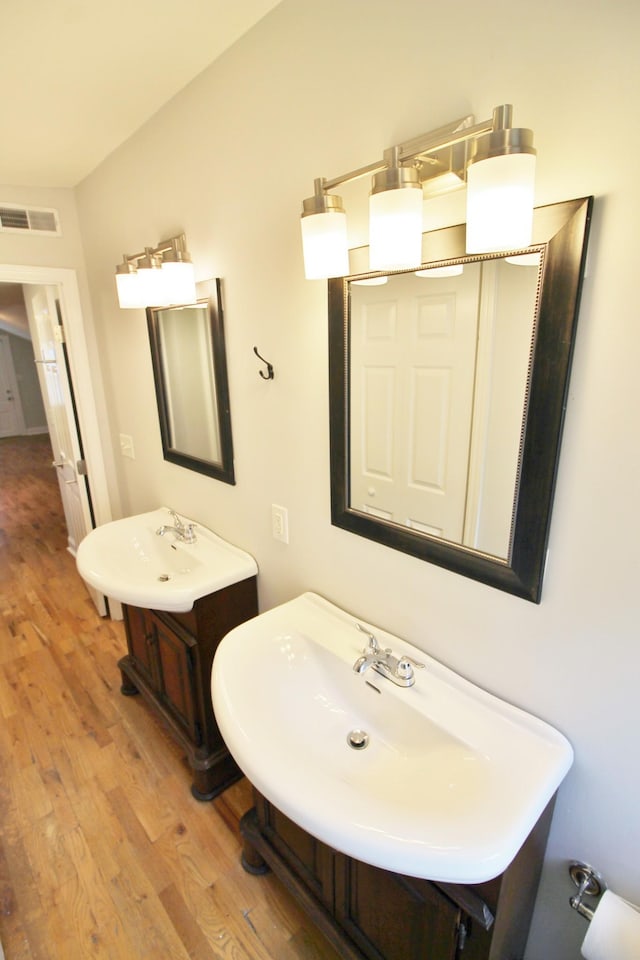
(495, 159)
(324, 235)
(395, 217)
(159, 276)
(500, 187)
(525, 259)
(453, 270)
(372, 281)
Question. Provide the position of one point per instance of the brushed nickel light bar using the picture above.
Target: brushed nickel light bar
(496, 160)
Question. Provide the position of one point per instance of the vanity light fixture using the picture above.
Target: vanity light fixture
(157, 277)
(500, 187)
(496, 160)
(395, 216)
(324, 235)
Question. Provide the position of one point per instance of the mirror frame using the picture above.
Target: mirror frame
(560, 233)
(209, 295)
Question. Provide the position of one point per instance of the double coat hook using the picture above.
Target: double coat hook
(269, 375)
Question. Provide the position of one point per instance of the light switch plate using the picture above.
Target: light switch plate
(280, 523)
(126, 446)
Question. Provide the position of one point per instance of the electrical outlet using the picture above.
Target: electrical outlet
(126, 446)
(280, 523)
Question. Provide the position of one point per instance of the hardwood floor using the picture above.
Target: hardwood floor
(103, 851)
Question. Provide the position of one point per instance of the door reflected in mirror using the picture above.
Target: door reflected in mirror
(192, 392)
(448, 389)
(438, 369)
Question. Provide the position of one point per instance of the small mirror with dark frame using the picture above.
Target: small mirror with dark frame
(447, 399)
(192, 389)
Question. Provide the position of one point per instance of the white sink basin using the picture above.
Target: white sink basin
(452, 780)
(128, 561)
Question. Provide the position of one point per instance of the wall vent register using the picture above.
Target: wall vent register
(17, 219)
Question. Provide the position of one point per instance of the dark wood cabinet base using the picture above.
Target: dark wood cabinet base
(169, 665)
(256, 848)
(373, 914)
(213, 770)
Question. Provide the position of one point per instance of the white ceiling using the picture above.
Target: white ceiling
(78, 77)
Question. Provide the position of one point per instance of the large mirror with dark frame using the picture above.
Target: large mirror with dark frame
(192, 390)
(448, 387)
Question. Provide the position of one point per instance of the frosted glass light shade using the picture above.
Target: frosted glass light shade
(152, 286)
(324, 245)
(178, 279)
(500, 198)
(129, 291)
(395, 229)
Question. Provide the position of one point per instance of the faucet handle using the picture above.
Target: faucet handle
(414, 663)
(189, 532)
(404, 669)
(374, 646)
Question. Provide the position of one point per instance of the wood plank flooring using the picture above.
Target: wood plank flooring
(103, 851)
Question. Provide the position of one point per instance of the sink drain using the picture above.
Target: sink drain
(358, 739)
(164, 577)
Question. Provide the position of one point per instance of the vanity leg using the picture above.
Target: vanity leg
(252, 861)
(127, 688)
(203, 788)
(212, 772)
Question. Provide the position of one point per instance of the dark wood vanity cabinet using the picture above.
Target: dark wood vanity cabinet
(388, 915)
(374, 914)
(169, 662)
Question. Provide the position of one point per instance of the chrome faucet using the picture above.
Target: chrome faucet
(183, 531)
(400, 670)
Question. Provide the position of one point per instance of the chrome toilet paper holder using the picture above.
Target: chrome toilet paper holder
(589, 883)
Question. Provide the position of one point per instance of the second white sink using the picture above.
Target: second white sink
(451, 782)
(128, 561)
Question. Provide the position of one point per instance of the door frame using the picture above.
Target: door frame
(79, 369)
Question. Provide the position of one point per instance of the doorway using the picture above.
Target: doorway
(55, 325)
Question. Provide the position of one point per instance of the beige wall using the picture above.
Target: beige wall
(44, 250)
(317, 89)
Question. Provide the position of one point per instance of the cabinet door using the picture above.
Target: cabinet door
(395, 917)
(176, 651)
(141, 639)
(310, 859)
